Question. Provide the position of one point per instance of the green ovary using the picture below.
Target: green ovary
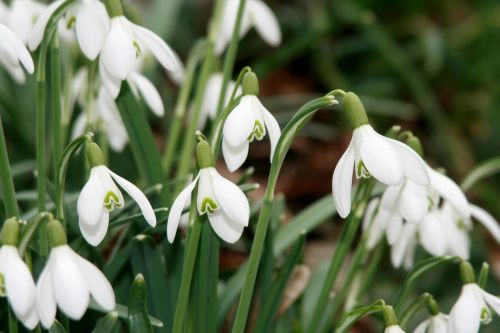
(208, 205)
(361, 171)
(3, 292)
(258, 132)
(111, 200)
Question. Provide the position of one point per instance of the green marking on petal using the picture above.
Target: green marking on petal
(208, 205)
(258, 132)
(361, 171)
(71, 22)
(3, 291)
(485, 316)
(111, 200)
(137, 48)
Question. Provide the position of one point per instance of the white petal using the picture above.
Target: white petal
(240, 122)
(45, 301)
(29, 319)
(38, 31)
(491, 300)
(226, 228)
(449, 190)
(487, 220)
(176, 210)
(439, 323)
(413, 203)
(205, 190)
(99, 286)
(393, 329)
(231, 198)
(94, 234)
(394, 227)
(167, 58)
(18, 283)
(108, 110)
(376, 230)
(118, 53)
(70, 288)
(342, 181)
(18, 48)
(92, 25)
(432, 235)
(457, 239)
(138, 197)
(403, 244)
(148, 92)
(465, 314)
(273, 128)
(265, 22)
(378, 156)
(90, 204)
(234, 156)
(110, 82)
(413, 166)
(422, 328)
(370, 212)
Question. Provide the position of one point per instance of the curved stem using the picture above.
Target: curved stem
(9, 193)
(56, 107)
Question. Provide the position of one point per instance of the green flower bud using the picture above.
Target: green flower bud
(94, 155)
(204, 155)
(389, 316)
(250, 84)
(354, 110)
(56, 234)
(10, 232)
(467, 273)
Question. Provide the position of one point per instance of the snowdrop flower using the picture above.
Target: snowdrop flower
(371, 154)
(68, 281)
(256, 13)
(13, 55)
(21, 16)
(16, 281)
(211, 98)
(391, 323)
(394, 329)
(224, 203)
(437, 323)
(100, 196)
(473, 306)
(89, 19)
(249, 120)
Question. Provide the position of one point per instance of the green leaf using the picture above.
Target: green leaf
(57, 328)
(353, 316)
(107, 323)
(483, 275)
(481, 171)
(123, 312)
(138, 319)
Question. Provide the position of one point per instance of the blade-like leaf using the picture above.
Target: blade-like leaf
(107, 323)
(138, 319)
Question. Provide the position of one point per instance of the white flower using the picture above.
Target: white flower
(90, 20)
(372, 154)
(256, 13)
(68, 281)
(17, 283)
(472, 308)
(21, 16)
(435, 324)
(100, 196)
(394, 329)
(13, 54)
(403, 250)
(225, 204)
(249, 120)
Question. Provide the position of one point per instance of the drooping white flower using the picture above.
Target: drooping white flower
(68, 281)
(394, 329)
(13, 55)
(473, 306)
(249, 120)
(224, 203)
(100, 196)
(434, 324)
(257, 14)
(21, 16)
(89, 19)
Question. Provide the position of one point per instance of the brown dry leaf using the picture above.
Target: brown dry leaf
(295, 287)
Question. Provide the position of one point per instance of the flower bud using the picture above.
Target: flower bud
(467, 273)
(389, 316)
(10, 232)
(204, 155)
(250, 84)
(56, 234)
(94, 155)
(354, 110)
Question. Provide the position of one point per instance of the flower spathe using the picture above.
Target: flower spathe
(473, 306)
(68, 281)
(437, 323)
(256, 13)
(13, 55)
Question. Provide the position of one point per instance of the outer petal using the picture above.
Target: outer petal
(231, 199)
(19, 283)
(413, 203)
(30, 319)
(110, 82)
(422, 328)
(17, 47)
(36, 34)
(157, 46)
(148, 92)
(487, 220)
(175, 213)
(439, 324)
(107, 109)
(90, 204)
(45, 301)
(240, 122)
(118, 53)
(94, 234)
(138, 197)
(394, 227)
(432, 234)
(265, 22)
(370, 213)
(92, 25)
(70, 287)
(342, 181)
(403, 244)
(413, 166)
(234, 156)
(465, 314)
(273, 128)
(99, 286)
(449, 190)
(226, 228)
(457, 239)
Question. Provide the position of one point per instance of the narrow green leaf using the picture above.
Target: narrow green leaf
(29, 230)
(107, 323)
(483, 275)
(353, 316)
(481, 171)
(123, 312)
(138, 319)
(57, 328)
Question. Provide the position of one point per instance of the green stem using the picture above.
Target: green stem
(9, 193)
(341, 250)
(12, 321)
(412, 309)
(55, 94)
(114, 8)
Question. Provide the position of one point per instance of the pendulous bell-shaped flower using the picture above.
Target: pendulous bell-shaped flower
(13, 55)
(371, 154)
(437, 323)
(249, 120)
(68, 281)
(16, 281)
(224, 203)
(473, 306)
(257, 14)
(391, 323)
(100, 196)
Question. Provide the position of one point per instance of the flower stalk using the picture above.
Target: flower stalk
(9, 193)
